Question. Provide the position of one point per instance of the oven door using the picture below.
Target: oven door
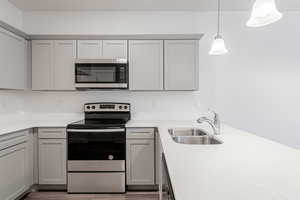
(101, 75)
(96, 144)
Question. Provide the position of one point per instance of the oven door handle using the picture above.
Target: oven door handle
(95, 130)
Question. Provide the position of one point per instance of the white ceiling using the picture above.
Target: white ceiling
(202, 5)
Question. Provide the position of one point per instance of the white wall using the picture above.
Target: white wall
(258, 81)
(10, 14)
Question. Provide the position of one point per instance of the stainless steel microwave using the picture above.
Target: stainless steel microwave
(101, 74)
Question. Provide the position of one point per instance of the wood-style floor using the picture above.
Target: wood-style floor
(65, 196)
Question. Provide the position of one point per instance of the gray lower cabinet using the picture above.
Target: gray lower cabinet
(140, 157)
(52, 156)
(16, 169)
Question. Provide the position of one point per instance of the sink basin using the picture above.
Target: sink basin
(186, 132)
(203, 140)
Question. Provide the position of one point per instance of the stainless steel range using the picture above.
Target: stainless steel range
(97, 149)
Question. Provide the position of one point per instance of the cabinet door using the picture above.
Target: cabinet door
(12, 61)
(42, 62)
(89, 49)
(146, 65)
(30, 158)
(52, 161)
(13, 172)
(140, 162)
(64, 60)
(181, 64)
(114, 49)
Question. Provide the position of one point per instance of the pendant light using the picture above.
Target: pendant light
(218, 46)
(264, 12)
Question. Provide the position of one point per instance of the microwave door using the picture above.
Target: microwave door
(101, 75)
(106, 75)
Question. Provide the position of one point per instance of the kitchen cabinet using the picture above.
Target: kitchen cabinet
(102, 49)
(158, 158)
(52, 156)
(89, 49)
(114, 49)
(181, 64)
(140, 155)
(63, 68)
(53, 64)
(42, 62)
(15, 164)
(13, 64)
(146, 64)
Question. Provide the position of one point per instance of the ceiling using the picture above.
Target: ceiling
(201, 5)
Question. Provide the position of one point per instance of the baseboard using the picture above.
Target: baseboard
(45, 187)
(142, 187)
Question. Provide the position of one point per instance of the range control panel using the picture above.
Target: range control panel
(107, 107)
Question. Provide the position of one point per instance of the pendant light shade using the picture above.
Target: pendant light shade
(264, 12)
(218, 46)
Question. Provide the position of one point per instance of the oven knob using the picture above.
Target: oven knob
(88, 107)
(110, 157)
(125, 107)
(93, 107)
(120, 107)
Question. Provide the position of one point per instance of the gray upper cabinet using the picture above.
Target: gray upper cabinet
(89, 49)
(53, 64)
(181, 64)
(64, 59)
(146, 65)
(101, 49)
(114, 49)
(42, 62)
(13, 64)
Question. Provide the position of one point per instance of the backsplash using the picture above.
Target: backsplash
(145, 105)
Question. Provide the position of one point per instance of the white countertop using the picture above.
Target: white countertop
(244, 167)
(13, 124)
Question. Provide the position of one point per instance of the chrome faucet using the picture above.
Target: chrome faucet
(215, 123)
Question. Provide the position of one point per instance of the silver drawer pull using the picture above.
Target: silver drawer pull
(52, 131)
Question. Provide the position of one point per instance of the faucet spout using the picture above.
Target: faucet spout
(215, 124)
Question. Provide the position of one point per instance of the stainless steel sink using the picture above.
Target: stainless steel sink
(187, 132)
(203, 140)
(193, 136)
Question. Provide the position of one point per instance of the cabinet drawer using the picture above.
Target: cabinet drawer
(140, 133)
(52, 133)
(12, 139)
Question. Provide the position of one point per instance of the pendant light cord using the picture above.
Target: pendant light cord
(219, 11)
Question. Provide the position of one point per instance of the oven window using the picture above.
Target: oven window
(96, 146)
(101, 73)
